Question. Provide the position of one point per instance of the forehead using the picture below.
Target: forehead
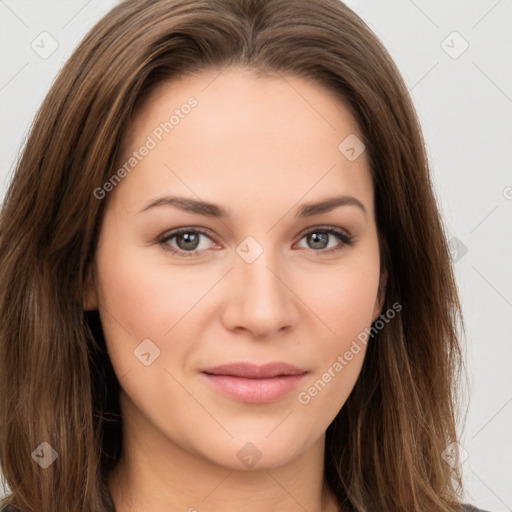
(251, 96)
(278, 135)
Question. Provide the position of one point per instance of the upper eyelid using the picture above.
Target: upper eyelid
(321, 227)
(174, 232)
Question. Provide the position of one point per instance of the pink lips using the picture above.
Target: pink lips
(251, 383)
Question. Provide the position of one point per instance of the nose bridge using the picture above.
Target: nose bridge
(256, 258)
(261, 301)
(257, 275)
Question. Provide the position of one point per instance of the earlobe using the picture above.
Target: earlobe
(90, 298)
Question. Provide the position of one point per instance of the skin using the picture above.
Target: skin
(259, 147)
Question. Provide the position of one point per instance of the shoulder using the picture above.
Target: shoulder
(8, 508)
(471, 508)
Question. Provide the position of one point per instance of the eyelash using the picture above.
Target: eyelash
(346, 240)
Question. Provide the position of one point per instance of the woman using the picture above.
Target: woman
(226, 283)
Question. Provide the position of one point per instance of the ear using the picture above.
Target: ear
(90, 297)
(381, 295)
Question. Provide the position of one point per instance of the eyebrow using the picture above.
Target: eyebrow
(214, 210)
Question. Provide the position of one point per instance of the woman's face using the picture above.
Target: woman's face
(251, 286)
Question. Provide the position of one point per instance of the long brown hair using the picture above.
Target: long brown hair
(385, 450)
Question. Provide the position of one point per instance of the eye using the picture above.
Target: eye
(187, 240)
(318, 237)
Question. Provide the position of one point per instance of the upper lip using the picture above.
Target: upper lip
(253, 371)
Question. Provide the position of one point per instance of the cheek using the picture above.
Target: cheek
(345, 311)
(322, 397)
(342, 299)
(142, 298)
(146, 298)
(130, 306)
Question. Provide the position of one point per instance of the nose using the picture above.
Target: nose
(261, 300)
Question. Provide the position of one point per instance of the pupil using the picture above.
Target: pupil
(189, 239)
(319, 238)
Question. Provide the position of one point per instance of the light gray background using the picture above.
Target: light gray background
(465, 107)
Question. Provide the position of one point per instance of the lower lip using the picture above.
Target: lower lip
(255, 391)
